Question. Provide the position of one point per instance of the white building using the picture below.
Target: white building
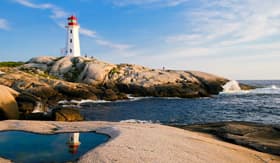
(73, 41)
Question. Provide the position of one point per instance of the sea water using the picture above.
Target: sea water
(261, 105)
(25, 147)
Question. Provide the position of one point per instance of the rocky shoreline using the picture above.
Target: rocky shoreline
(260, 137)
(44, 81)
(131, 142)
(32, 91)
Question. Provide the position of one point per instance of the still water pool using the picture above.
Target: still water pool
(25, 147)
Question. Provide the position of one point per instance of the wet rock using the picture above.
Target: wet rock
(168, 90)
(43, 92)
(76, 91)
(37, 116)
(27, 103)
(264, 138)
(110, 95)
(8, 104)
(66, 114)
(246, 87)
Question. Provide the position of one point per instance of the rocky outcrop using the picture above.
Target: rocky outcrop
(264, 138)
(8, 104)
(66, 114)
(39, 92)
(129, 78)
(43, 81)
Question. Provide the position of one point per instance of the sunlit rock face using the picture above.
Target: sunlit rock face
(8, 104)
(130, 78)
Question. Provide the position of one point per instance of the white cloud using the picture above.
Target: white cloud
(59, 15)
(113, 45)
(231, 22)
(164, 3)
(27, 3)
(56, 11)
(88, 32)
(4, 24)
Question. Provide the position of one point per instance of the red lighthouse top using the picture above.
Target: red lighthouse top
(72, 21)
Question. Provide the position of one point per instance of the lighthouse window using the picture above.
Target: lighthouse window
(70, 40)
(71, 31)
(70, 50)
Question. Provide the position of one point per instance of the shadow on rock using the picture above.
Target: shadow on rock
(264, 138)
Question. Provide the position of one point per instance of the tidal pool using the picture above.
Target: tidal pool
(25, 147)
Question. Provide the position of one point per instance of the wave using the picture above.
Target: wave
(81, 102)
(273, 89)
(231, 87)
(93, 101)
(136, 98)
(139, 121)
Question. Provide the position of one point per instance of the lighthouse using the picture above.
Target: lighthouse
(74, 142)
(73, 41)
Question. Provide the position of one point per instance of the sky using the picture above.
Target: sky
(237, 39)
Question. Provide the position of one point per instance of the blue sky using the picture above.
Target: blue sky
(238, 39)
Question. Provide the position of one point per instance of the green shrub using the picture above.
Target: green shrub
(11, 64)
(114, 71)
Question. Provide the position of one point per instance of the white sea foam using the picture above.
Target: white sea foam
(136, 121)
(133, 98)
(93, 101)
(273, 89)
(231, 87)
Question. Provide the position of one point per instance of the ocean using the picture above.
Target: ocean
(261, 105)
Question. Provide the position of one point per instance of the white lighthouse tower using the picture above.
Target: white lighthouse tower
(73, 41)
(74, 142)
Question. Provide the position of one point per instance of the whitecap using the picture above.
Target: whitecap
(136, 121)
(231, 87)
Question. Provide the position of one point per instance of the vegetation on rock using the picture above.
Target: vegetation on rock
(11, 64)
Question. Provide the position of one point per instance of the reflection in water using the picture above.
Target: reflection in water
(24, 147)
(74, 143)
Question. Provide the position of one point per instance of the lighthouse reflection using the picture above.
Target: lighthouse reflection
(74, 142)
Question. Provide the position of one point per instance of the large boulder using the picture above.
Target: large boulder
(66, 114)
(8, 104)
(42, 60)
(95, 72)
(61, 66)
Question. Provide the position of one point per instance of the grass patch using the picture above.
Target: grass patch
(11, 64)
